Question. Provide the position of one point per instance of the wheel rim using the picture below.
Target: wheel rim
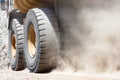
(31, 41)
(13, 46)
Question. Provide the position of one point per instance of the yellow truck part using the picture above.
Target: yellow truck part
(25, 5)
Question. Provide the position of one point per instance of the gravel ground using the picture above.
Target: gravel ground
(4, 60)
(25, 75)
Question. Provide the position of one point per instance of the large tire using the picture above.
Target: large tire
(41, 40)
(15, 48)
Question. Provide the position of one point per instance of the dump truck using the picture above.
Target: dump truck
(33, 35)
(37, 32)
(34, 39)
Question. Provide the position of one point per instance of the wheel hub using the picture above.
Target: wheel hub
(31, 41)
(13, 45)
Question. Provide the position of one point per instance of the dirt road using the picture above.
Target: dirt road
(26, 75)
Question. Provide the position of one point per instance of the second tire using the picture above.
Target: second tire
(15, 47)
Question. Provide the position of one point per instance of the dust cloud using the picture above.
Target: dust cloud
(91, 36)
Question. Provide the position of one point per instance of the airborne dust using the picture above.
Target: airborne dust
(92, 37)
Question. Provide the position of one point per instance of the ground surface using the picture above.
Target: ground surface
(26, 75)
(4, 60)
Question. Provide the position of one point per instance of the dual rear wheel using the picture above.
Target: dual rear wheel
(36, 43)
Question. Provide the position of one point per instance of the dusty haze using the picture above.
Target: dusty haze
(92, 36)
